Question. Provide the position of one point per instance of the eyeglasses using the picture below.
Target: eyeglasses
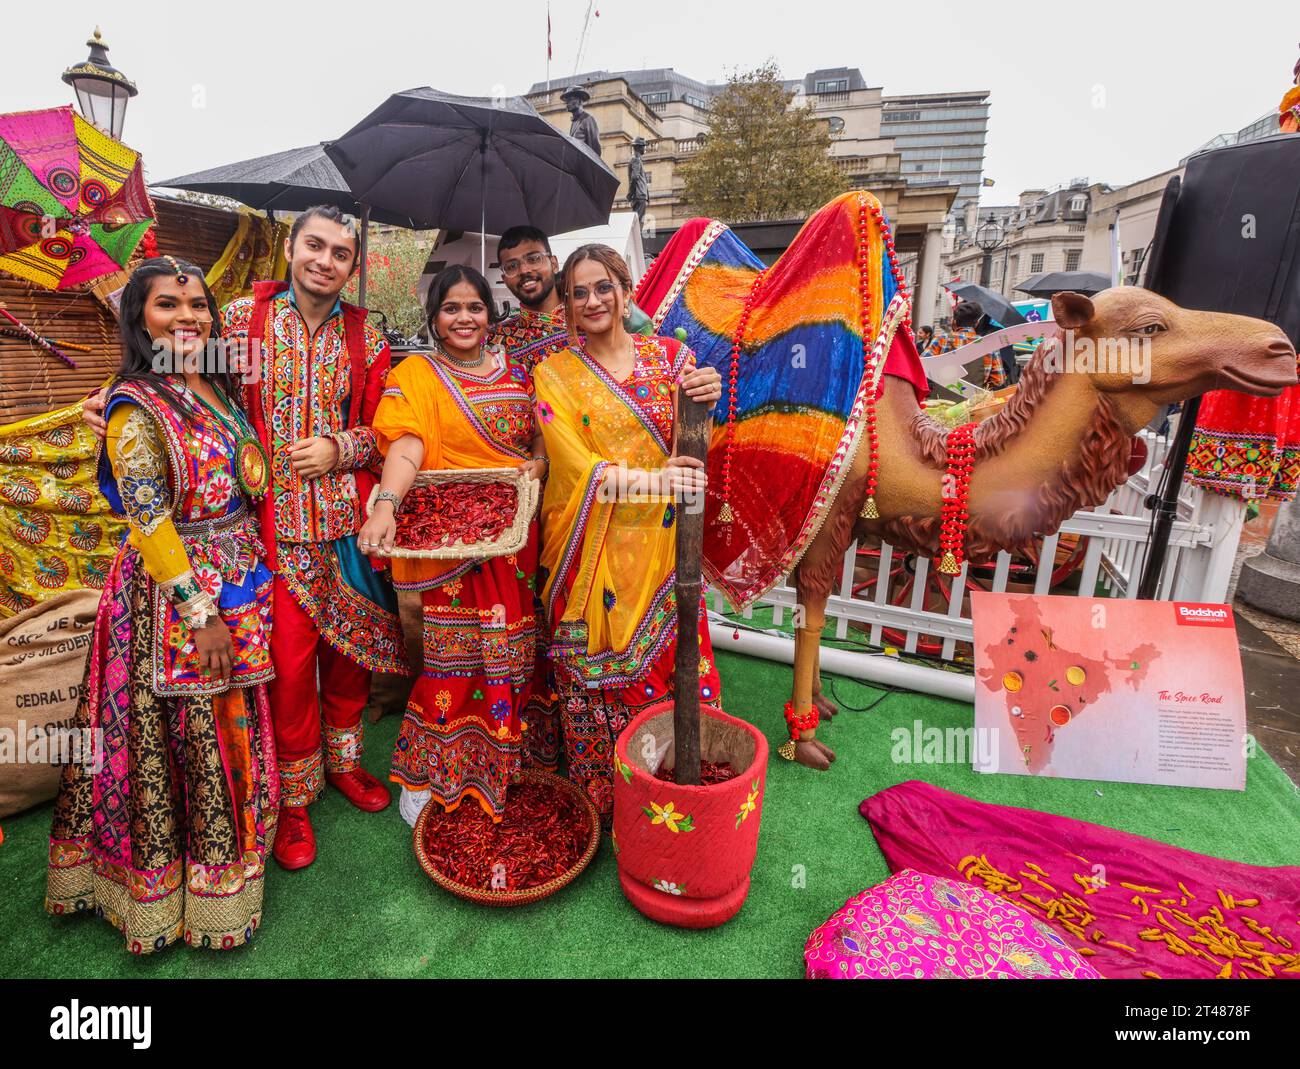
(603, 289)
(512, 267)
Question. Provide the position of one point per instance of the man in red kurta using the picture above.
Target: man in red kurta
(321, 374)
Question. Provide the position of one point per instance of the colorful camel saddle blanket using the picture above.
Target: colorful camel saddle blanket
(789, 340)
(915, 926)
(1131, 906)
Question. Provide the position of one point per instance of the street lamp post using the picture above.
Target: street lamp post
(102, 90)
(989, 236)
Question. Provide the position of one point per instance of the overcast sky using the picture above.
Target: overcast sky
(1112, 91)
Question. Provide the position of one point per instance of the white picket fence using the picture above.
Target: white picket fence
(1111, 549)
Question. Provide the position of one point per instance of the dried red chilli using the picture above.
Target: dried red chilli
(443, 514)
(541, 836)
(711, 772)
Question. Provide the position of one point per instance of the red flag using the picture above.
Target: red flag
(548, 32)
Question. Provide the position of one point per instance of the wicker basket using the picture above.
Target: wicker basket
(524, 895)
(510, 540)
(992, 403)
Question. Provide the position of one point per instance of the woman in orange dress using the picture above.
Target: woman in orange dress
(461, 405)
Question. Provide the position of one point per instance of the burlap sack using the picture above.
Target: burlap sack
(42, 661)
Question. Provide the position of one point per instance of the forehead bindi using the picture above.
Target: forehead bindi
(462, 293)
(166, 287)
(589, 272)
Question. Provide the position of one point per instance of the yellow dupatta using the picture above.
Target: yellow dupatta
(620, 610)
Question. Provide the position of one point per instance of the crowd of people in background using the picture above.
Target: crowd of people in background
(969, 323)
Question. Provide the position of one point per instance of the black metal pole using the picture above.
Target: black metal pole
(482, 207)
(1165, 504)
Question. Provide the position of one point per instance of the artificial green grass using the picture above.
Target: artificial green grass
(365, 908)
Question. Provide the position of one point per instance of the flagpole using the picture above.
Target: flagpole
(548, 51)
(582, 41)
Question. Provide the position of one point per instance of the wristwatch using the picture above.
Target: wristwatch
(388, 495)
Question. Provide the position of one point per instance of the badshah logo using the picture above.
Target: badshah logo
(1193, 614)
(103, 1022)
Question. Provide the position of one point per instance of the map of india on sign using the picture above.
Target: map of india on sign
(1097, 688)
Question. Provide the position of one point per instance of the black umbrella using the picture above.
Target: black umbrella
(473, 163)
(993, 305)
(1050, 282)
(288, 181)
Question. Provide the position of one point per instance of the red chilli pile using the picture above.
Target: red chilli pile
(444, 514)
(541, 836)
(711, 772)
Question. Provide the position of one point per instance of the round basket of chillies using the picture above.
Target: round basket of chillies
(546, 837)
(464, 513)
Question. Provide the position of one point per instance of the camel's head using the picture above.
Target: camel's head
(1130, 340)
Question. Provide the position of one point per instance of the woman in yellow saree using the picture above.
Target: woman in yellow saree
(606, 409)
(462, 405)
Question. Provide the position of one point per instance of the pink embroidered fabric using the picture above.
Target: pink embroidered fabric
(922, 927)
(1138, 908)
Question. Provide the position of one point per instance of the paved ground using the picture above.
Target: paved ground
(1270, 662)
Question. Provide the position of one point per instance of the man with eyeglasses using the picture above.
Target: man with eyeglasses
(529, 269)
(539, 327)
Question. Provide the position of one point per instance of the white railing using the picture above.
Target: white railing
(896, 602)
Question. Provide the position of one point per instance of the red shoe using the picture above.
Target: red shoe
(295, 842)
(361, 789)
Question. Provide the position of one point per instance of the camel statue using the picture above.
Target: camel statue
(880, 466)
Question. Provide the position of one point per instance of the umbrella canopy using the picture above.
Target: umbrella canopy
(290, 181)
(73, 202)
(993, 305)
(1050, 282)
(473, 163)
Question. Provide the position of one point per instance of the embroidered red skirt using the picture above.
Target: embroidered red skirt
(462, 730)
(1247, 447)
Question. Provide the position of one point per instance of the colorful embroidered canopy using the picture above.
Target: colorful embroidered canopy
(73, 201)
(800, 374)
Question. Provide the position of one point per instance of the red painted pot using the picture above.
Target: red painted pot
(685, 853)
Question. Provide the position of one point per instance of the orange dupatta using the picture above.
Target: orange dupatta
(425, 398)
